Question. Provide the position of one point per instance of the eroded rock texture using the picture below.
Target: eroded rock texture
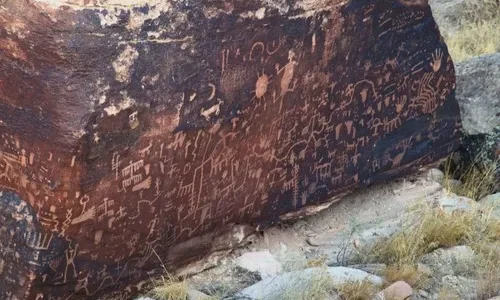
(139, 130)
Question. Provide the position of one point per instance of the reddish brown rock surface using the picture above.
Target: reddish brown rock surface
(138, 129)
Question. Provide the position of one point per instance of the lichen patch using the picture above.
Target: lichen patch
(114, 109)
(137, 18)
(124, 62)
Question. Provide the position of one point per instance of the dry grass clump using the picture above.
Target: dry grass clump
(293, 261)
(474, 39)
(357, 290)
(431, 229)
(488, 266)
(477, 180)
(317, 262)
(407, 273)
(318, 287)
(447, 294)
(169, 288)
(479, 10)
(478, 32)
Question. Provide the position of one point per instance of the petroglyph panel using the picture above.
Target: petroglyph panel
(133, 131)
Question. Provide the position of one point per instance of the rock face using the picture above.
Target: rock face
(478, 85)
(144, 130)
(272, 288)
(478, 82)
(262, 262)
(447, 14)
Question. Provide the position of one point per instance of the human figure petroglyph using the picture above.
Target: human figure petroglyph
(7, 167)
(70, 255)
(287, 74)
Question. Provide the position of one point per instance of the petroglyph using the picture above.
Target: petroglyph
(137, 140)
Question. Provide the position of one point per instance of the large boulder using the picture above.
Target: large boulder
(447, 14)
(478, 93)
(144, 135)
(478, 86)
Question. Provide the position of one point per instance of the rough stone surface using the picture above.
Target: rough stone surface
(141, 131)
(452, 202)
(478, 85)
(461, 287)
(261, 262)
(376, 269)
(447, 14)
(397, 291)
(457, 260)
(298, 280)
(435, 175)
(196, 295)
(491, 202)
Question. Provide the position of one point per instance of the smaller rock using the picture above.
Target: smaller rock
(341, 275)
(261, 262)
(435, 175)
(376, 269)
(491, 202)
(399, 290)
(464, 288)
(196, 295)
(457, 260)
(454, 183)
(423, 294)
(301, 280)
(451, 203)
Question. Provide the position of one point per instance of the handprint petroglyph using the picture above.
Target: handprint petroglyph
(437, 58)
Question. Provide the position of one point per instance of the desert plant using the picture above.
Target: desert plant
(169, 288)
(407, 273)
(318, 287)
(478, 178)
(478, 32)
(357, 290)
(430, 228)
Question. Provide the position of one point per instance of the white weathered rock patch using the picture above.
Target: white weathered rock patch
(124, 62)
(261, 262)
